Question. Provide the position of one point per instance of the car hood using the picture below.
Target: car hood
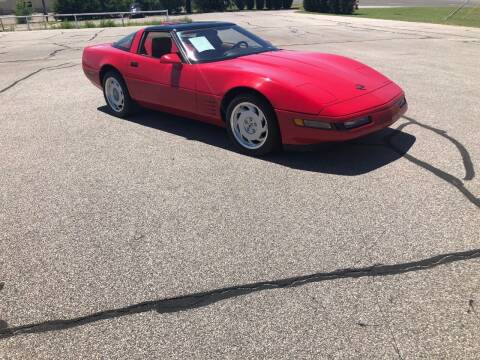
(335, 78)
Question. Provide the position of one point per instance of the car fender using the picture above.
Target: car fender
(301, 98)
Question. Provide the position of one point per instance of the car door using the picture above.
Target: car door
(167, 86)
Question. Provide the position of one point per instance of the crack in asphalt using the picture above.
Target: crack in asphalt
(202, 299)
(443, 175)
(63, 67)
(389, 326)
(471, 308)
(449, 178)
(55, 52)
(21, 60)
(94, 36)
(16, 82)
(48, 57)
(467, 161)
(63, 48)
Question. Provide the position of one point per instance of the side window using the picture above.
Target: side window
(125, 43)
(156, 44)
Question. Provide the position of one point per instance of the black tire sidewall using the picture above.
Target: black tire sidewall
(128, 105)
(272, 142)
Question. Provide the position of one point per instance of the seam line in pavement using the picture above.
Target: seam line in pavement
(201, 299)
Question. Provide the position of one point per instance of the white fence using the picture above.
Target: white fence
(40, 21)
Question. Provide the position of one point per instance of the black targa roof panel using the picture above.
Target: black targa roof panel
(189, 26)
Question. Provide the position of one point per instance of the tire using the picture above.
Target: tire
(116, 95)
(252, 125)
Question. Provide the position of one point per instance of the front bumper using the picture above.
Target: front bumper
(380, 117)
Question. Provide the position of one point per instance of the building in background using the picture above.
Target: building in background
(7, 7)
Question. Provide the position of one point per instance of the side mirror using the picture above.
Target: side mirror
(170, 59)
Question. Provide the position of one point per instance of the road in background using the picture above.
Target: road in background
(411, 3)
(103, 219)
(402, 3)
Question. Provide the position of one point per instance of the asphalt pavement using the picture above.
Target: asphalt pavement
(151, 238)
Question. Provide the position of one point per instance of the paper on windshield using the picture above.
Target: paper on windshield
(201, 43)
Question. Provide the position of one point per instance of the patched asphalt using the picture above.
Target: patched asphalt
(151, 237)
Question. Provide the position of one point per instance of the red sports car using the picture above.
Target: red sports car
(220, 73)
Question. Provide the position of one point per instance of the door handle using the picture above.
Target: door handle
(134, 64)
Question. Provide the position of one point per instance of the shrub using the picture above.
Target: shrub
(277, 4)
(150, 4)
(330, 6)
(72, 6)
(173, 6)
(260, 4)
(347, 6)
(107, 23)
(89, 24)
(240, 4)
(76, 6)
(311, 5)
(22, 8)
(250, 4)
(66, 25)
(210, 5)
(114, 5)
(287, 4)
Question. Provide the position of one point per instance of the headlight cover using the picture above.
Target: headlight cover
(313, 124)
(357, 122)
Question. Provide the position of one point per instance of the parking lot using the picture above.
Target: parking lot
(151, 237)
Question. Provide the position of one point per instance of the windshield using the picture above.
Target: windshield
(221, 43)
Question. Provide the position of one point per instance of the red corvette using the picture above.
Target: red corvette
(222, 74)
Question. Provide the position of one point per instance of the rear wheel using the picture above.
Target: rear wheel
(252, 125)
(116, 94)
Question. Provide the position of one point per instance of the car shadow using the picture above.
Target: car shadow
(350, 158)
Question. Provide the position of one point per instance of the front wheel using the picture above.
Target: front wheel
(116, 94)
(252, 125)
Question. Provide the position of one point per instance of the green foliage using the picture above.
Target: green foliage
(311, 5)
(83, 6)
(66, 25)
(184, 19)
(89, 24)
(250, 4)
(210, 5)
(173, 6)
(277, 4)
(107, 23)
(147, 5)
(114, 5)
(269, 4)
(260, 4)
(240, 4)
(22, 8)
(287, 4)
(330, 6)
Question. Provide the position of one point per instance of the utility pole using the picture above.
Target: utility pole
(45, 11)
